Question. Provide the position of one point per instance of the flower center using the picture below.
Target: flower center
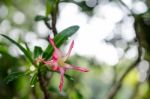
(60, 62)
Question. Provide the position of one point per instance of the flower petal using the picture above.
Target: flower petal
(81, 69)
(62, 71)
(57, 53)
(69, 51)
(49, 62)
(39, 59)
(52, 64)
(52, 42)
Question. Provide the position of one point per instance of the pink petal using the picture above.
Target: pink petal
(52, 42)
(55, 68)
(53, 64)
(57, 53)
(62, 71)
(80, 69)
(48, 62)
(39, 59)
(69, 51)
(68, 66)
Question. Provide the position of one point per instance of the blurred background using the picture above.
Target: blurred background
(106, 43)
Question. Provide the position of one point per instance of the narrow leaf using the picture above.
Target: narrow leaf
(59, 39)
(49, 6)
(28, 49)
(37, 51)
(34, 80)
(40, 18)
(27, 54)
(53, 89)
(13, 76)
(69, 77)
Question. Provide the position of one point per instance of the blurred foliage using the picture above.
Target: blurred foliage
(93, 85)
(142, 26)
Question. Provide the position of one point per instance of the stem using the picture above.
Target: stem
(52, 26)
(47, 24)
(42, 83)
(131, 12)
(148, 80)
(118, 84)
(54, 20)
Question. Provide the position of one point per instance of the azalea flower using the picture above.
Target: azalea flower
(58, 62)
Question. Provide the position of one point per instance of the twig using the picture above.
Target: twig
(48, 25)
(118, 84)
(131, 12)
(54, 19)
(148, 80)
(42, 79)
(43, 85)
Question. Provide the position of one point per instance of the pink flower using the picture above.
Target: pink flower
(58, 62)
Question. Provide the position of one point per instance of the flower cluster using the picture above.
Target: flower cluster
(58, 62)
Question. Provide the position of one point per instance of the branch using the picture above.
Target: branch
(148, 81)
(54, 20)
(47, 24)
(43, 85)
(118, 84)
(131, 12)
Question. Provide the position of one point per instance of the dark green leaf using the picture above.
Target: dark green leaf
(28, 49)
(14, 76)
(40, 18)
(79, 95)
(69, 77)
(60, 39)
(52, 89)
(49, 6)
(37, 51)
(27, 54)
(34, 80)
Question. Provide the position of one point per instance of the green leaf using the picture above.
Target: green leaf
(28, 49)
(13, 76)
(27, 54)
(37, 51)
(34, 80)
(49, 6)
(69, 77)
(79, 95)
(147, 55)
(53, 89)
(59, 39)
(40, 18)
